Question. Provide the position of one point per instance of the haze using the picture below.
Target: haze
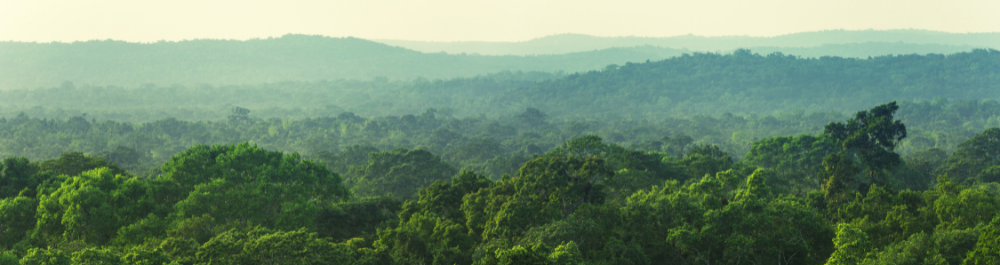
(452, 20)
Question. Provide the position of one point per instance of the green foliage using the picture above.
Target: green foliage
(16, 174)
(974, 156)
(97, 257)
(987, 250)
(838, 178)
(566, 254)
(92, 206)
(871, 136)
(706, 160)
(74, 163)
(796, 160)
(441, 198)
(597, 202)
(7, 258)
(966, 208)
(37, 256)
(17, 218)
(263, 246)
(357, 219)
(851, 245)
(531, 255)
(919, 170)
(285, 191)
(424, 238)
(545, 190)
(618, 252)
(398, 172)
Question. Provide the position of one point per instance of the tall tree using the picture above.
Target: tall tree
(871, 136)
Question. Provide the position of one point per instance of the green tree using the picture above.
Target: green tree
(400, 172)
(852, 246)
(96, 256)
(987, 249)
(794, 159)
(871, 136)
(532, 117)
(37, 256)
(566, 254)
(245, 185)
(264, 246)
(92, 206)
(838, 180)
(8, 258)
(357, 218)
(17, 218)
(16, 174)
(74, 163)
(973, 156)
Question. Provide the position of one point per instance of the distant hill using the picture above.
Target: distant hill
(291, 57)
(567, 43)
(314, 58)
(688, 85)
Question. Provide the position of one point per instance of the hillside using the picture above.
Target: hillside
(567, 43)
(291, 57)
(696, 84)
(314, 58)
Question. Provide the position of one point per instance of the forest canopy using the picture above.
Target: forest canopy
(700, 158)
(843, 196)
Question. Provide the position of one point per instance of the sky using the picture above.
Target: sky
(474, 20)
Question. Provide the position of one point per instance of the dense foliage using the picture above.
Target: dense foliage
(842, 196)
(697, 159)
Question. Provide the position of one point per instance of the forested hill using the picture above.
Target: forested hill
(314, 58)
(566, 43)
(714, 84)
(291, 57)
(745, 82)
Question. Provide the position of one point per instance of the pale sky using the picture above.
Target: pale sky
(457, 20)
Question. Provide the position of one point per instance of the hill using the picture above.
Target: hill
(314, 58)
(567, 43)
(291, 57)
(684, 86)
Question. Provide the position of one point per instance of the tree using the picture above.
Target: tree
(74, 163)
(852, 246)
(679, 142)
(16, 174)
(400, 172)
(426, 238)
(838, 179)
(871, 136)
(566, 254)
(794, 159)
(973, 156)
(531, 255)
(355, 155)
(17, 218)
(239, 115)
(92, 206)
(96, 256)
(245, 185)
(987, 249)
(532, 117)
(704, 160)
(37, 256)
(264, 246)
(358, 218)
